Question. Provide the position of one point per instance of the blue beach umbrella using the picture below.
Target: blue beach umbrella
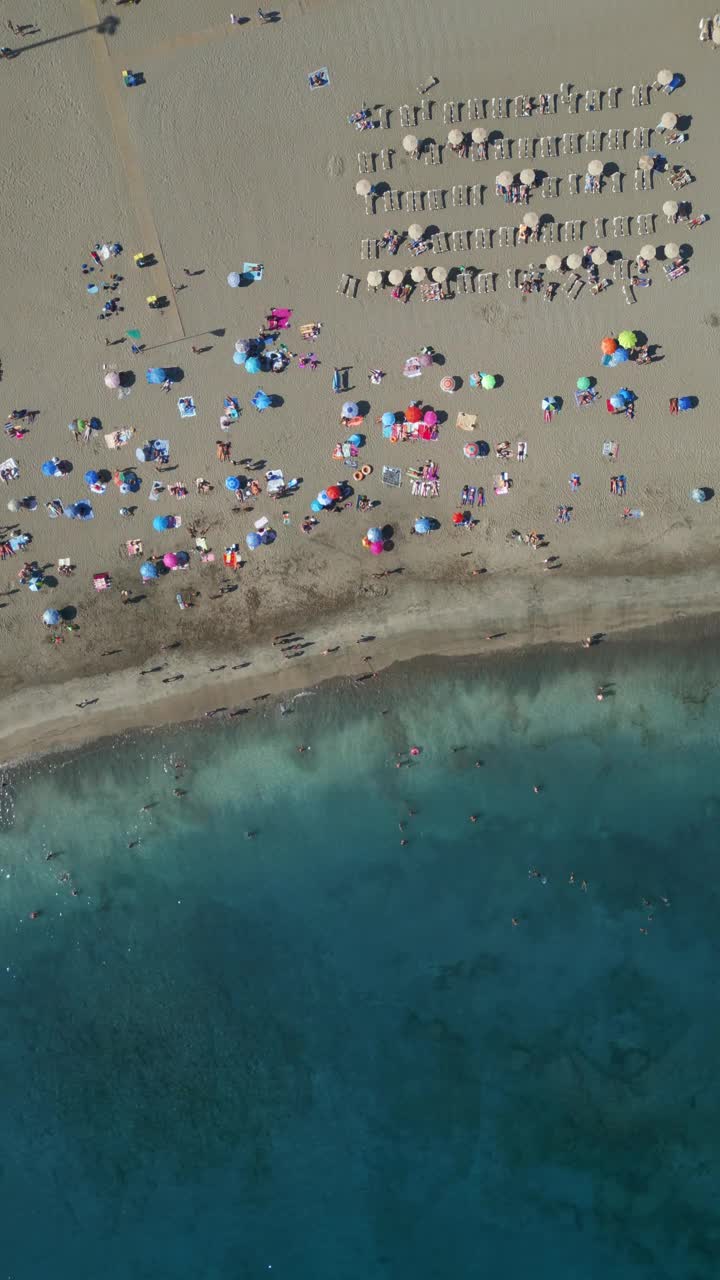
(35, 583)
(182, 558)
(324, 499)
(617, 402)
(155, 376)
(315, 506)
(92, 477)
(268, 536)
(356, 440)
(253, 540)
(350, 409)
(160, 523)
(238, 357)
(51, 617)
(261, 401)
(148, 570)
(685, 402)
(232, 483)
(374, 535)
(83, 510)
(253, 365)
(627, 396)
(423, 524)
(234, 279)
(49, 468)
(388, 419)
(699, 495)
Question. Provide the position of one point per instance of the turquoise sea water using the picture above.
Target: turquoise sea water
(324, 1054)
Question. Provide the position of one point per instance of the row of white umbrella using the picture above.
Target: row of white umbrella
(455, 138)
(417, 274)
(553, 262)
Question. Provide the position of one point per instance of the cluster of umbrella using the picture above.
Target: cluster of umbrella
(485, 380)
(413, 416)
(255, 540)
(670, 250)
(574, 261)
(56, 467)
(617, 350)
(150, 569)
(327, 498)
(374, 541)
(622, 399)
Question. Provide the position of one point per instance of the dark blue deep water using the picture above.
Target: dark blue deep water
(325, 1054)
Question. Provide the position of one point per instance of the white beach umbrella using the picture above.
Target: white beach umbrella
(531, 219)
(505, 178)
(553, 262)
(672, 250)
(375, 279)
(455, 137)
(410, 142)
(418, 273)
(574, 261)
(664, 77)
(595, 168)
(396, 276)
(598, 256)
(670, 208)
(647, 163)
(648, 251)
(527, 176)
(363, 187)
(668, 120)
(439, 274)
(415, 231)
(479, 135)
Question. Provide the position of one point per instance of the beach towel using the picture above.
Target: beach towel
(392, 476)
(632, 515)
(9, 469)
(481, 497)
(574, 480)
(276, 481)
(116, 439)
(319, 79)
(253, 269)
(583, 399)
(186, 407)
(610, 449)
(20, 540)
(466, 421)
(134, 547)
(262, 523)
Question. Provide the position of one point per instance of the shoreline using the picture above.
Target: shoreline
(44, 720)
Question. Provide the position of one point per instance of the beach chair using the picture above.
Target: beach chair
(406, 122)
(451, 113)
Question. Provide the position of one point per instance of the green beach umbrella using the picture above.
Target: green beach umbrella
(134, 333)
(627, 339)
(583, 384)
(487, 381)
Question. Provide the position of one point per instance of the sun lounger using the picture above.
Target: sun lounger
(674, 273)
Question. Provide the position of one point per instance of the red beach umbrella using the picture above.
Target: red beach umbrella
(413, 413)
(458, 517)
(608, 345)
(334, 492)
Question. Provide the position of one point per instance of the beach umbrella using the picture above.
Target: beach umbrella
(374, 535)
(374, 279)
(13, 505)
(425, 359)
(458, 517)
(664, 77)
(647, 163)
(430, 418)
(439, 275)
(253, 365)
(376, 548)
(388, 419)
(627, 339)
(455, 137)
(51, 617)
(410, 143)
(182, 558)
(324, 499)
(155, 376)
(527, 176)
(608, 345)
(49, 468)
(670, 208)
(161, 523)
(239, 357)
(413, 413)
(315, 506)
(356, 440)
(233, 483)
(82, 510)
(363, 187)
(112, 379)
(574, 261)
(548, 403)
(479, 135)
(447, 385)
(350, 410)
(396, 276)
(243, 346)
(418, 273)
(261, 401)
(685, 402)
(35, 583)
(334, 492)
(668, 120)
(504, 179)
(583, 384)
(92, 477)
(415, 231)
(617, 402)
(626, 396)
(471, 450)
(621, 356)
(531, 219)
(423, 524)
(598, 256)
(672, 250)
(170, 560)
(697, 495)
(148, 570)
(253, 540)
(595, 168)
(234, 279)
(488, 381)
(553, 262)
(267, 536)
(648, 251)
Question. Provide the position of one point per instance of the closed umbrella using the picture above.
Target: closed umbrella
(527, 176)
(396, 276)
(553, 262)
(479, 135)
(253, 540)
(455, 137)
(363, 187)
(647, 163)
(112, 379)
(574, 261)
(439, 274)
(598, 256)
(672, 250)
(504, 179)
(670, 208)
(375, 279)
(415, 231)
(627, 339)
(664, 77)
(148, 570)
(418, 273)
(253, 365)
(349, 410)
(595, 168)
(531, 219)
(51, 617)
(410, 143)
(648, 251)
(234, 279)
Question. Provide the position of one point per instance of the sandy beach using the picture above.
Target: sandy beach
(224, 155)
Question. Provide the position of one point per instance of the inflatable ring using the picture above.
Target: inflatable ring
(357, 475)
(367, 470)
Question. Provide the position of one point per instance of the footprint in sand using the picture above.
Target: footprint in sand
(334, 166)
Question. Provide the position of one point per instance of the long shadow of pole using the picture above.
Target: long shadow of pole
(107, 27)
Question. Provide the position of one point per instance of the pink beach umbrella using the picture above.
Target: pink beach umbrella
(430, 418)
(376, 548)
(170, 560)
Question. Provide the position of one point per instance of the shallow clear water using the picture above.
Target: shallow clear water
(321, 1052)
